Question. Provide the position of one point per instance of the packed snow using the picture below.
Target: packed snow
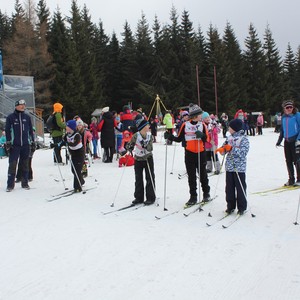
(68, 249)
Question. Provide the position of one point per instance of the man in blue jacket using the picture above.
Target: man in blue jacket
(19, 139)
(290, 132)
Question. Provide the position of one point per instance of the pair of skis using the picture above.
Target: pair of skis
(278, 190)
(68, 193)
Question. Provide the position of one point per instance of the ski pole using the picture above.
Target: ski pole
(77, 177)
(165, 182)
(152, 182)
(117, 191)
(238, 176)
(62, 179)
(199, 165)
(173, 159)
(296, 222)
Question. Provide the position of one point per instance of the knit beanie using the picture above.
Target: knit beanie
(141, 123)
(20, 102)
(287, 103)
(194, 110)
(79, 122)
(57, 107)
(205, 115)
(71, 124)
(236, 125)
(184, 113)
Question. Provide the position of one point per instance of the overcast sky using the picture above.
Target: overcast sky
(282, 16)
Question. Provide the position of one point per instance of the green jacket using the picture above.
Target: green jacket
(61, 125)
(168, 121)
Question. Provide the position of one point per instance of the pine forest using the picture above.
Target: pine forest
(76, 62)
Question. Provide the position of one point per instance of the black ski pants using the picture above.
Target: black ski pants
(139, 167)
(291, 160)
(235, 195)
(192, 166)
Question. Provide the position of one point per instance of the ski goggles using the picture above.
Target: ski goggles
(289, 107)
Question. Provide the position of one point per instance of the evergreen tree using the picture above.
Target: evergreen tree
(297, 76)
(188, 58)
(213, 91)
(113, 72)
(233, 94)
(274, 86)
(43, 66)
(19, 48)
(5, 28)
(128, 67)
(101, 55)
(144, 63)
(289, 67)
(255, 73)
(202, 64)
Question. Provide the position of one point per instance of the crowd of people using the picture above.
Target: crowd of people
(130, 135)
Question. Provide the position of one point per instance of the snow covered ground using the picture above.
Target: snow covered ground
(67, 249)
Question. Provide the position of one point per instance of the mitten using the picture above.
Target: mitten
(297, 147)
(199, 134)
(8, 147)
(224, 149)
(32, 147)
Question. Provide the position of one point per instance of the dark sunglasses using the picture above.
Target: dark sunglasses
(289, 107)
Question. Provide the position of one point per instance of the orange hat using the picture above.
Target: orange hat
(57, 107)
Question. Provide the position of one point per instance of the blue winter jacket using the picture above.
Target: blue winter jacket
(290, 128)
(18, 129)
(236, 160)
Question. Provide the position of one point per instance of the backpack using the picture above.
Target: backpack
(51, 123)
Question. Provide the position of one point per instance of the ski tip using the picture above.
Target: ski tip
(157, 218)
(223, 226)
(208, 224)
(186, 215)
(253, 215)
(296, 223)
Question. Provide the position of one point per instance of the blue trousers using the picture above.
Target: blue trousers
(18, 153)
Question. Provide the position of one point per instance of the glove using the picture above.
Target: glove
(199, 134)
(144, 144)
(129, 147)
(32, 147)
(224, 149)
(297, 146)
(8, 147)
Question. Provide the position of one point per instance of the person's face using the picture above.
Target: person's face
(288, 109)
(21, 106)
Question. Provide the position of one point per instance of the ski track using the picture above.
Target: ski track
(67, 249)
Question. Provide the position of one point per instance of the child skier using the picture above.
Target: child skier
(212, 144)
(76, 149)
(194, 134)
(142, 143)
(237, 147)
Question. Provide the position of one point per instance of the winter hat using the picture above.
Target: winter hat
(236, 124)
(57, 107)
(105, 109)
(79, 122)
(184, 113)
(141, 123)
(205, 115)
(71, 124)
(287, 103)
(20, 102)
(194, 110)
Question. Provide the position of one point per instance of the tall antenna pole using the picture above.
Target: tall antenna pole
(216, 93)
(198, 87)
